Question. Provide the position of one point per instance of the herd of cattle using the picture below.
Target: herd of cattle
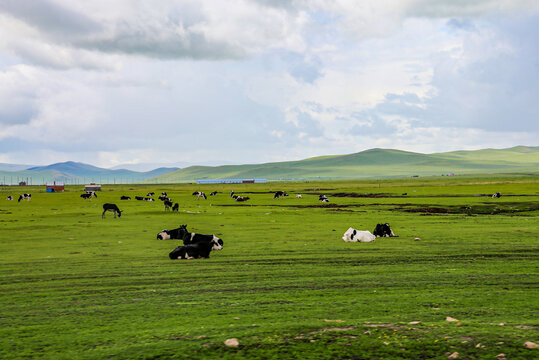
(199, 245)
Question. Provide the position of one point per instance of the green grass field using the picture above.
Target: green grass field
(74, 285)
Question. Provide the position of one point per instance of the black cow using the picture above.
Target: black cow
(125, 197)
(113, 208)
(25, 197)
(168, 204)
(176, 207)
(172, 234)
(199, 194)
(193, 238)
(279, 194)
(383, 230)
(194, 251)
(139, 198)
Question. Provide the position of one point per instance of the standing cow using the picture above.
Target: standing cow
(113, 208)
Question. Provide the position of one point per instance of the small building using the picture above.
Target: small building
(55, 187)
(92, 187)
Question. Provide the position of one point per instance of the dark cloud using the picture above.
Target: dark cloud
(49, 17)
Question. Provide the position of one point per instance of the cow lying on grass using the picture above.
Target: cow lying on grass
(195, 251)
(383, 230)
(353, 235)
(173, 234)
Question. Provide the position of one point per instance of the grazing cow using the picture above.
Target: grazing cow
(89, 195)
(113, 208)
(178, 233)
(9, 197)
(150, 194)
(298, 196)
(148, 199)
(200, 194)
(496, 195)
(279, 194)
(125, 197)
(25, 197)
(195, 251)
(168, 204)
(176, 207)
(383, 230)
(323, 198)
(139, 198)
(353, 235)
(241, 198)
(213, 193)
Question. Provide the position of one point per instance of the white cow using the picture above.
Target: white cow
(353, 235)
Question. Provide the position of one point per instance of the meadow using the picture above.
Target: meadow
(76, 286)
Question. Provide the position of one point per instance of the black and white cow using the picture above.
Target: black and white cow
(496, 195)
(172, 234)
(150, 194)
(195, 251)
(353, 235)
(148, 199)
(125, 197)
(213, 193)
(383, 230)
(164, 194)
(279, 194)
(168, 204)
(200, 194)
(193, 238)
(140, 198)
(163, 198)
(113, 208)
(231, 193)
(9, 197)
(176, 207)
(323, 198)
(25, 197)
(241, 198)
(89, 195)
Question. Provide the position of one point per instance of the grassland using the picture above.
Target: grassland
(74, 285)
(373, 163)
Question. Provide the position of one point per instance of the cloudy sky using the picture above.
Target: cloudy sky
(250, 81)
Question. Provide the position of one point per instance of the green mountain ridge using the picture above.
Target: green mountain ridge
(372, 163)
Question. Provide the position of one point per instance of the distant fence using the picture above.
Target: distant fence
(231, 181)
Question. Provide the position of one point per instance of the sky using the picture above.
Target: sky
(133, 82)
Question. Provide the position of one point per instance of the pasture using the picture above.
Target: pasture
(285, 285)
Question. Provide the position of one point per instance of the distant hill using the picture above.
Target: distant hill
(78, 173)
(373, 163)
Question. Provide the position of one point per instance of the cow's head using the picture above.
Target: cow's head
(217, 244)
(163, 235)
